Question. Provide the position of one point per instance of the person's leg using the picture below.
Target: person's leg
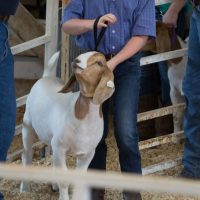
(7, 95)
(191, 158)
(125, 107)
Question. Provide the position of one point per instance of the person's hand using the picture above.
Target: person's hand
(111, 65)
(170, 18)
(106, 20)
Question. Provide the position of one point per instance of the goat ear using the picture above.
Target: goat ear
(68, 86)
(81, 107)
(105, 88)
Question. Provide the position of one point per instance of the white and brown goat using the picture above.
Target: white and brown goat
(71, 123)
(167, 40)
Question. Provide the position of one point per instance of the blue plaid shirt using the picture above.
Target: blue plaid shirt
(134, 18)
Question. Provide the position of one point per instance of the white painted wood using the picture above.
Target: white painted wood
(18, 130)
(30, 44)
(102, 179)
(51, 28)
(158, 112)
(146, 144)
(28, 67)
(161, 166)
(21, 101)
(163, 56)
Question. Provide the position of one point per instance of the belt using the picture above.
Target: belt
(109, 56)
(4, 18)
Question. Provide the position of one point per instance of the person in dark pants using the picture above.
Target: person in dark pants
(130, 23)
(174, 16)
(7, 87)
(191, 89)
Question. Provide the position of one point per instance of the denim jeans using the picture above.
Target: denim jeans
(125, 107)
(191, 88)
(7, 95)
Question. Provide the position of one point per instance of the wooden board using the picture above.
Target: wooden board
(25, 27)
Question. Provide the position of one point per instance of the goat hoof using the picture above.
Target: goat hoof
(54, 188)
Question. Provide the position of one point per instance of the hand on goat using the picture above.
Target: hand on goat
(111, 65)
(171, 16)
(106, 20)
(170, 19)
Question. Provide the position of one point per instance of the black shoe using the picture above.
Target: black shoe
(97, 194)
(132, 196)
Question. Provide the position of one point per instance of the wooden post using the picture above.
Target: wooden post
(51, 28)
(64, 50)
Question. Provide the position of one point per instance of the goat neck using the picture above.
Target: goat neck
(82, 106)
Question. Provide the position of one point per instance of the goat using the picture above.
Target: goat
(167, 40)
(71, 123)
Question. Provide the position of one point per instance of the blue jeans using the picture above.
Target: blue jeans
(125, 107)
(7, 95)
(191, 88)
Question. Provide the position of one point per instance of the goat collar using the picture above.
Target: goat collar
(87, 95)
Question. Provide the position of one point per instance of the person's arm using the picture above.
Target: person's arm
(142, 28)
(135, 44)
(80, 26)
(171, 16)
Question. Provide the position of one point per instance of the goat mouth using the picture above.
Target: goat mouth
(77, 67)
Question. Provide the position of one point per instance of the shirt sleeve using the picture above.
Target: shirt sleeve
(74, 10)
(144, 21)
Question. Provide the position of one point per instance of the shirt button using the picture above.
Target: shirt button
(113, 31)
(113, 47)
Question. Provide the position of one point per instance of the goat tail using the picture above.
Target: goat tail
(50, 69)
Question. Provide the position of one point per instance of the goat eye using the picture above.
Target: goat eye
(99, 63)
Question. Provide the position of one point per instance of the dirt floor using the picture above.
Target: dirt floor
(149, 157)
